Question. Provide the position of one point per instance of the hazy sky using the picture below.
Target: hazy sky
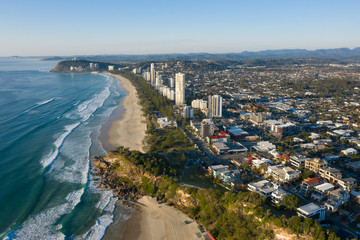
(64, 27)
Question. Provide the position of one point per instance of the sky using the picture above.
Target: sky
(78, 27)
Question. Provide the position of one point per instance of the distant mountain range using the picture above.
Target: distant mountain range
(336, 53)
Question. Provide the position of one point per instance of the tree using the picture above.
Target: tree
(291, 202)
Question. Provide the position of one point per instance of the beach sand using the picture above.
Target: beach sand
(129, 130)
(150, 220)
(154, 221)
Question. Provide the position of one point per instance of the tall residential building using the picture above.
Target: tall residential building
(199, 103)
(152, 74)
(215, 106)
(207, 128)
(188, 112)
(171, 83)
(179, 89)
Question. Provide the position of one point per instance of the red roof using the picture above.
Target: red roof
(217, 137)
(311, 181)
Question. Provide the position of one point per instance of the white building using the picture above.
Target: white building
(263, 187)
(199, 103)
(152, 74)
(349, 152)
(336, 198)
(321, 191)
(215, 106)
(311, 210)
(180, 89)
(165, 122)
(111, 68)
(283, 174)
(171, 83)
(278, 195)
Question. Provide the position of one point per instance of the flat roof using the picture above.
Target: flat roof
(324, 187)
(309, 209)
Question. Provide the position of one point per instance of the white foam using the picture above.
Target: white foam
(84, 105)
(98, 230)
(58, 143)
(45, 102)
(41, 226)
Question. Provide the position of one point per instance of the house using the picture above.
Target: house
(263, 187)
(314, 164)
(314, 136)
(355, 166)
(311, 210)
(297, 161)
(309, 184)
(321, 191)
(278, 195)
(336, 198)
(283, 174)
(274, 153)
(264, 146)
(348, 184)
(331, 174)
(349, 152)
(213, 169)
(308, 146)
(165, 122)
(259, 162)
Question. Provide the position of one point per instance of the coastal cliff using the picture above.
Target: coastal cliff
(226, 215)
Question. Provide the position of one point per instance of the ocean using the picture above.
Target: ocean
(50, 125)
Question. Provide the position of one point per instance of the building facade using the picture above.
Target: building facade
(180, 89)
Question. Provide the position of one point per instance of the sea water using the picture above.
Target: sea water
(49, 129)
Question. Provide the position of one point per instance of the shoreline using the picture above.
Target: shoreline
(147, 219)
(128, 131)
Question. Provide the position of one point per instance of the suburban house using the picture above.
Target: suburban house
(336, 198)
(311, 210)
(263, 187)
(283, 174)
(278, 195)
(321, 191)
(314, 164)
(309, 184)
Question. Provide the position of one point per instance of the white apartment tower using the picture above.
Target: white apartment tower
(215, 106)
(179, 88)
(152, 74)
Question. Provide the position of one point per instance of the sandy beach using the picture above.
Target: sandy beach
(150, 220)
(129, 130)
(155, 221)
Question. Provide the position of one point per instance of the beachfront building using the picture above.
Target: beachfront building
(215, 106)
(180, 89)
(111, 68)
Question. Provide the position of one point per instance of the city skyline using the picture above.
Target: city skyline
(37, 28)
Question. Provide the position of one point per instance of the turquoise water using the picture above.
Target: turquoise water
(49, 128)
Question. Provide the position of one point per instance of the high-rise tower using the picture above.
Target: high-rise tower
(179, 89)
(152, 74)
(215, 106)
